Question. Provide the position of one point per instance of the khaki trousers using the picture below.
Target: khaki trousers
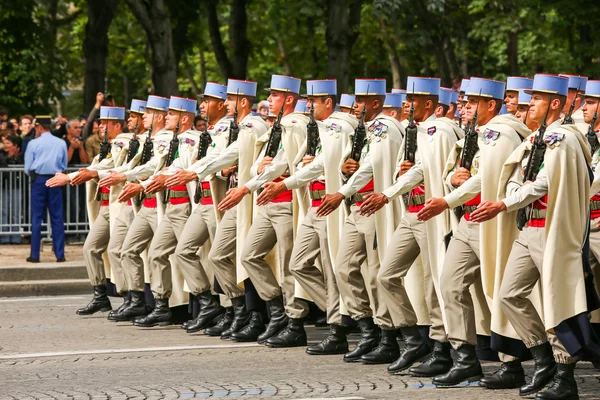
(408, 241)
(272, 226)
(115, 244)
(461, 270)
(95, 245)
(359, 286)
(595, 262)
(200, 226)
(520, 276)
(140, 234)
(163, 245)
(223, 254)
(311, 241)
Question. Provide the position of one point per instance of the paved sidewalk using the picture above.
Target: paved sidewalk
(48, 352)
(15, 254)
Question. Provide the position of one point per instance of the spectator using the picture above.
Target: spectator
(101, 100)
(14, 126)
(199, 123)
(92, 143)
(26, 131)
(3, 125)
(3, 114)
(263, 109)
(74, 200)
(45, 156)
(11, 187)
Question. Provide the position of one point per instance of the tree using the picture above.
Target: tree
(153, 16)
(95, 48)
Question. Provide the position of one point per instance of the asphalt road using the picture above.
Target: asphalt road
(48, 352)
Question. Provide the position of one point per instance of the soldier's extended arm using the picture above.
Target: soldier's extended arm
(405, 183)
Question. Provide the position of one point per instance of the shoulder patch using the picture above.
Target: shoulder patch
(490, 136)
(431, 130)
(553, 140)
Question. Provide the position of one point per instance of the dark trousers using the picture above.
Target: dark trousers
(44, 198)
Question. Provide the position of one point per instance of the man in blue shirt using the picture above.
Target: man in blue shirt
(45, 156)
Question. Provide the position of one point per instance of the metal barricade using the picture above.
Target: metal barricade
(15, 206)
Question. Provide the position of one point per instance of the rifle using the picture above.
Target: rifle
(591, 134)
(205, 141)
(275, 138)
(568, 119)
(173, 149)
(470, 148)
(134, 143)
(104, 150)
(410, 139)
(147, 152)
(535, 161)
(312, 132)
(234, 131)
(360, 136)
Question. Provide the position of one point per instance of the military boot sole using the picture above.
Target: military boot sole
(408, 366)
(103, 309)
(152, 324)
(214, 332)
(418, 374)
(208, 324)
(242, 340)
(381, 361)
(501, 385)
(471, 379)
(282, 346)
(326, 353)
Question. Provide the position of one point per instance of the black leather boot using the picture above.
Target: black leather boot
(369, 339)
(293, 335)
(126, 302)
(223, 323)
(415, 348)
(250, 332)
(161, 315)
(278, 319)
(335, 343)
(241, 317)
(438, 363)
(466, 368)
(137, 308)
(563, 385)
(544, 371)
(100, 302)
(386, 352)
(510, 376)
(209, 310)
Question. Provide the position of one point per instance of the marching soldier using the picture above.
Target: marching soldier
(393, 106)
(471, 254)
(368, 162)
(201, 225)
(577, 85)
(347, 103)
(317, 237)
(142, 166)
(548, 248)
(523, 111)
(112, 120)
(514, 84)
(420, 161)
(233, 165)
(275, 223)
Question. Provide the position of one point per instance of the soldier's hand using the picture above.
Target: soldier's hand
(372, 203)
(157, 184)
(434, 206)
(59, 179)
(181, 177)
(329, 204)
(349, 167)
(270, 191)
(405, 166)
(129, 191)
(99, 99)
(487, 210)
(113, 179)
(233, 198)
(307, 160)
(228, 171)
(83, 176)
(263, 163)
(460, 176)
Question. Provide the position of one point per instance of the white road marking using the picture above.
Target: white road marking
(32, 299)
(132, 350)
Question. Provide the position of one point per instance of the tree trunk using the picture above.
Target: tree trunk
(154, 18)
(203, 77)
(283, 56)
(214, 30)
(238, 34)
(341, 34)
(95, 48)
(512, 51)
(190, 75)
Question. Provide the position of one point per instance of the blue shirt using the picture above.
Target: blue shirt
(46, 155)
